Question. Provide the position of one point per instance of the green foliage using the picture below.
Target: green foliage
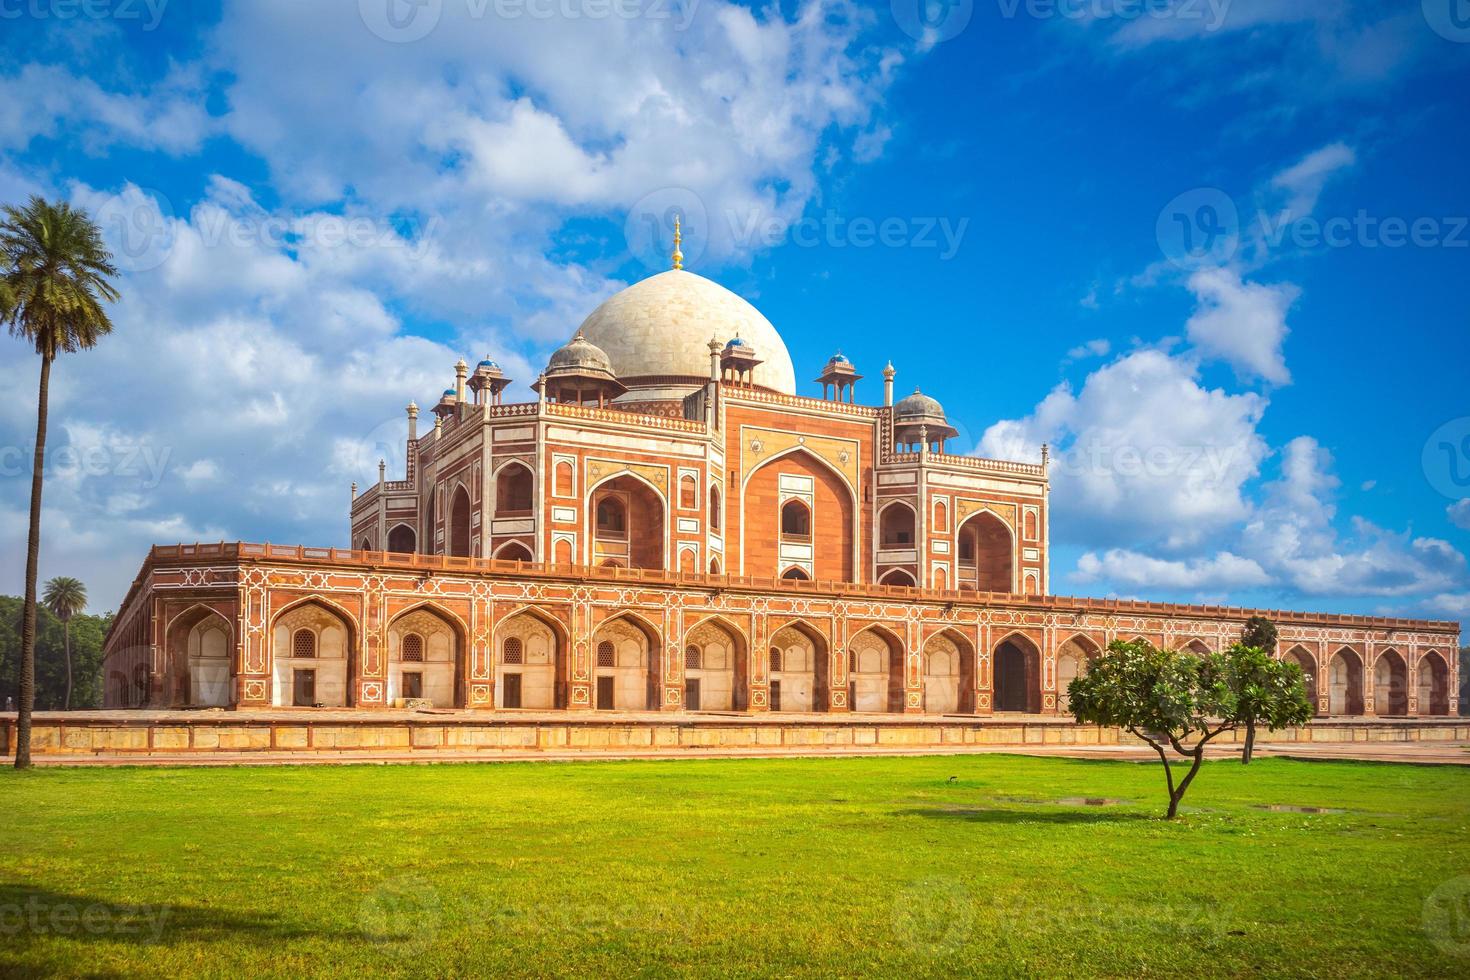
(1259, 632)
(1167, 697)
(87, 633)
(56, 272)
(65, 597)
(1267, 691)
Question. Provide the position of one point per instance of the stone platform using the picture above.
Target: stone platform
(428, 735)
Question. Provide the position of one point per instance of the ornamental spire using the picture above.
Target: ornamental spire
(678, 240)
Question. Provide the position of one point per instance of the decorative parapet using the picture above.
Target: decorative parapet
(245, 552)
(638, 419)
(742, 394)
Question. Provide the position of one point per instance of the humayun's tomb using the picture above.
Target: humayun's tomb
(669, 527)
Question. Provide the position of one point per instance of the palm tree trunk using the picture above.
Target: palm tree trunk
(66, 642)
(33, 561)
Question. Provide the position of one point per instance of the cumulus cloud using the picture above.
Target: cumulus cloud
(1121, 566)
(1459, 513)
(1144, 452)
(1242, 323)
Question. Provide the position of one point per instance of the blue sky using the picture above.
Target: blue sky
(1213, 252)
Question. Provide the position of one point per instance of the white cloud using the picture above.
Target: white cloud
(1241, 323)
(1121, 566)
(1303, 181)
(41, 100)
(1459, 513)
(1144, 453)
(1093, 348)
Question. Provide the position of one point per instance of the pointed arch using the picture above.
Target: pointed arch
(199, 651)
(800, 666)
(1345, 682)
(875, 670)
(1390, 684)
(897, 525)
(897, 576)
(714, 565)
(515, 489)
(1017, 673)
(442, 673)
(987, 558)
(1198, 646)
(716, 666)
(1303, 658)
(459, 522)
(1073, 656)
(949, 673)
(365, 544)
(796, 574)
(643, 506)
(1434, 684)
(531, 668)
(513, 551)
(402, 539)
(715, 511)
(329, 677)
(632, 680)
(832, 541)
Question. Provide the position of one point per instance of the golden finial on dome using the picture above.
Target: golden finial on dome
(678, 240)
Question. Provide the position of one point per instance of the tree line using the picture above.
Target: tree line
(86, 635)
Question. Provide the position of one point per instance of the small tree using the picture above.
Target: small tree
(1162, 697)
(1267, 691)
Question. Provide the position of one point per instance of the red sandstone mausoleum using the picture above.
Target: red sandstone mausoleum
(669, 526)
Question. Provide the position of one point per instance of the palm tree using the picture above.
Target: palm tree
(65, 597)
(55, 270)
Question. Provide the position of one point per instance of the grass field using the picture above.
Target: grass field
(788, 867)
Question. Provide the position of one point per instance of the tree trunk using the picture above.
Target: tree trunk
(66, 642)
(33, 561)
(1250, 742)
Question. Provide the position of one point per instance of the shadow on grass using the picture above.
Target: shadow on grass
(979, 814)
(33, 918)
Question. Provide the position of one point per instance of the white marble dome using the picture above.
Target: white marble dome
(662, 326)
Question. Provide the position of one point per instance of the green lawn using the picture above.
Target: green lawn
(784, 867)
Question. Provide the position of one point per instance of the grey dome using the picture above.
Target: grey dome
(580, 356)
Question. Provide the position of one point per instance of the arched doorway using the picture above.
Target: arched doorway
(1072, 659)
(1434, 685)
(798, 669)
(530, 663)
(625, 672)
(896, 527)
(875, 671)
(459, 523)
(949, 674)
(1345, 683)
(313, 656)
(402, 540)
(1198, 647)
(513, 551)
(716, 668)
(425, 659)
(896, 576)
(514, 491)
(1390, 684)
(1308, 665)
(1017, 675)
(199, 648)
(986, 554)
(628, 523)
(797, 510)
